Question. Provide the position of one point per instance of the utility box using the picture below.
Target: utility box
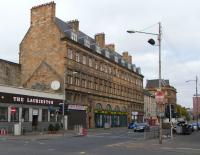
(17, 129)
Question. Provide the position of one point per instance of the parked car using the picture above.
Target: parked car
(132, 125)
(141, 127)
(183, 128)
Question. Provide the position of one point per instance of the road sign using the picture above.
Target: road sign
(159, 96)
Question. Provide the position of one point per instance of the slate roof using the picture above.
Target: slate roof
(155, 83)
(66, 28)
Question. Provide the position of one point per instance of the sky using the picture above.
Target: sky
(180, 33)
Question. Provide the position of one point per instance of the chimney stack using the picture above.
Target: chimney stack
(111, 47)
(127, 57)
(43, 13)
(75, 25)
(100, 39)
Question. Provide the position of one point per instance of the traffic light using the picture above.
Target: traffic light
(13, 110)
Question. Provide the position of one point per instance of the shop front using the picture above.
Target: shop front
(113, 118)
(32, 112)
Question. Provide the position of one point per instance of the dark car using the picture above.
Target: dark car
(141, 127)
(132, 125)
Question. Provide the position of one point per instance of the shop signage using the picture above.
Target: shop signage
(110, 112)
(76, 107)
(35, 111)
(24, 99)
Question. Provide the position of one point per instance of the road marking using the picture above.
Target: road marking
(82, 152)
(179, 148)
(51, 149)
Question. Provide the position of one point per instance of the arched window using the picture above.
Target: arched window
(98, 106)
(108, 107)
(124, 109)
(117, 108)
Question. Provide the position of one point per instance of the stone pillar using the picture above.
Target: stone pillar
(20, 114)
(40, 115)
(30, 114)
(9, 113)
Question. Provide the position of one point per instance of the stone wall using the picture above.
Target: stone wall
(9, 73)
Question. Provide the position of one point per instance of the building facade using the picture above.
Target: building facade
(89, 72)
(169, 93)
(150, 108)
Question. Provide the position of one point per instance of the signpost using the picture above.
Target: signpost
(159, 96)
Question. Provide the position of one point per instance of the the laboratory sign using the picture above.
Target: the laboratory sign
(24, 99)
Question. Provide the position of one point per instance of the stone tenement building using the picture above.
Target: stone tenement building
(169, 92)
(100, 85)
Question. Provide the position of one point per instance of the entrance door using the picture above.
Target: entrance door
(35, 119)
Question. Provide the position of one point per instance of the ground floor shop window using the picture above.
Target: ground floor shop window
(15, 115)
(45, 115)
(25, 114)
(112, 120)
(3, 114)
(53, 116)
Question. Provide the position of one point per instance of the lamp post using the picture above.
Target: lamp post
(152, 42)
(196, 81)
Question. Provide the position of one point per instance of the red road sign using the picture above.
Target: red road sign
(159, 95)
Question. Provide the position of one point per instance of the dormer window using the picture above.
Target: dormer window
(107, 53)
(123, 62)
(129, 66)
(87, 42)
(74, 36)
(98, 49)
(116, 59)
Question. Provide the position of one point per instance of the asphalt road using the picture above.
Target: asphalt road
(100, 142)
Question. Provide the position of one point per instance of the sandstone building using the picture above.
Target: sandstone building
(60, 63)
(97, 77)
(168, 90)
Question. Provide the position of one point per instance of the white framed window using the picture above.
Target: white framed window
(98, 49)
(74, 36)
(70, 53)
(84, 60)
(107, 53)
(116, 59)
(87, 42)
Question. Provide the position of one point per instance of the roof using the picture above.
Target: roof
(155, 83)
(66, 28)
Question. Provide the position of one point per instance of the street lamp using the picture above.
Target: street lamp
(152, 42)
(196, 81)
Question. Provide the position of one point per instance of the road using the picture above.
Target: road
(100, 142)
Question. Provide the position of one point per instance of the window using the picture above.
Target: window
(84, 60)
(74, 36)
(107, 53)
(15, 115)
(108, 107)
(44, 115)
(70, 54)
(25, 114)
(90, 62)
(98, 106)
(87, 42)
(116, 59)
(3, 114)
(98, 49)
(96, 65)
(77, 58)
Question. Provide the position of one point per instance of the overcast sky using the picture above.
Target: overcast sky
(180, 28)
